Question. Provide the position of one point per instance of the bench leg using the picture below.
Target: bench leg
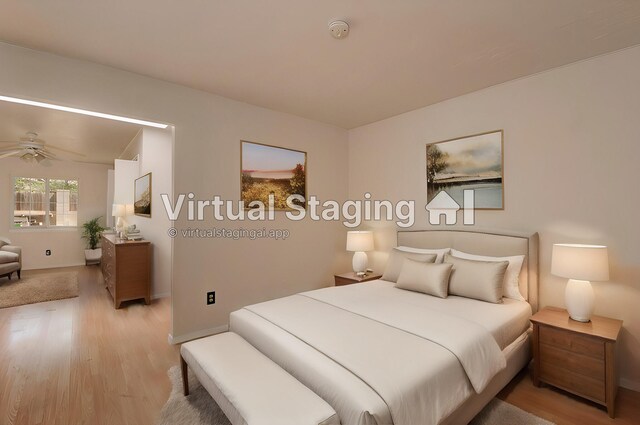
(185, 376)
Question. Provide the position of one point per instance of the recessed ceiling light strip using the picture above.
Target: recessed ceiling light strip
(82, 112)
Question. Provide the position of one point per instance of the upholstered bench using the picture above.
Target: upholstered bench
(250, 388)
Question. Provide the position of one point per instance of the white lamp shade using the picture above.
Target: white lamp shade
(580, 262)
(360, 241)
(128, 209)
(118, 210)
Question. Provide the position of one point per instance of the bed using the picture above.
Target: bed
(380, 355)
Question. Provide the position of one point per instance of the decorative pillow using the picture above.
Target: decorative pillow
(480, 280)
(428, 278)
(439, 252)
(396, 258)
(511, 284)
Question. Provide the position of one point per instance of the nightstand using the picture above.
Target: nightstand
(349, 278)
(576, 357)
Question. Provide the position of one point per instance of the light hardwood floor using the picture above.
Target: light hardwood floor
(563, 408)
(79, 361)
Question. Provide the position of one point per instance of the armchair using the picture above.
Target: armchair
(10, 258)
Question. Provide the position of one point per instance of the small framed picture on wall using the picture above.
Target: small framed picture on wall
(142, 196)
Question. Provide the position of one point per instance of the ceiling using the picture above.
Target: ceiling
(99, 140)
(399, 56)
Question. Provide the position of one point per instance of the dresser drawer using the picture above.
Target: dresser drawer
(576, 363)
(585, 386)
(573, 342)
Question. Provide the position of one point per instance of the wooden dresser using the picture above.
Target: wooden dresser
(126, 267)
(577, 357)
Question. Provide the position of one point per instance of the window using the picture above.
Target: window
(45, 202)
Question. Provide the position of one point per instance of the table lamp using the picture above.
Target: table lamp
(359, 242)
(581, 264)
(119, 210)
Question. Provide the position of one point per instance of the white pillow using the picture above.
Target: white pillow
(511, 285)
(397, 257)
(428, 278)
(440, 253)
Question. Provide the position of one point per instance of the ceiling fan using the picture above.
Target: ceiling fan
(32, 149)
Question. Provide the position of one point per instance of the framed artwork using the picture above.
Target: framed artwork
(266, 169)
(142, 196)
(473, 162)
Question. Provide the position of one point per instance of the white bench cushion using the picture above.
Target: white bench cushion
(250, 388)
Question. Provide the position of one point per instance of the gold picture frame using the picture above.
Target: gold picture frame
(469, 162)
(266, 169)
(142, 196)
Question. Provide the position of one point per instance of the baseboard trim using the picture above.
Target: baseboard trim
(179, 339)
(629, 384)
(161, 295)
(51, 266)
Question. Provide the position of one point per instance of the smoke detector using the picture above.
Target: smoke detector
(339, 29)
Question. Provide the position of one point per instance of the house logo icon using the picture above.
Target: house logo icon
(444, 205)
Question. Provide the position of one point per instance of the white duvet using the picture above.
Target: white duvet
(401, 363)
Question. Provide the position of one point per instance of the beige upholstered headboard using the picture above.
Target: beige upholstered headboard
(480, 242)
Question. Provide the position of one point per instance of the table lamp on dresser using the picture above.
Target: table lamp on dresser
(581, 264)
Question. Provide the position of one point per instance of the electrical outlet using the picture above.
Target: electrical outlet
(47, 252)
(211, 297)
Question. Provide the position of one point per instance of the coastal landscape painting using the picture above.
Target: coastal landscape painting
(142, 196)
(273, 170)
(471, 162)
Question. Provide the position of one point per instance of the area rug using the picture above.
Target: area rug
(38, 288)
(200, 409)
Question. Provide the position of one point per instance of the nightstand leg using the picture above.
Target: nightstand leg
(611, 378)
(536, 354)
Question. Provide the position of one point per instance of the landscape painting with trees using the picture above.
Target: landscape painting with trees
(272, 170)
(472, 162)
(142, 196)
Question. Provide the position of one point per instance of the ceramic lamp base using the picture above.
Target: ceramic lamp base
(579, 299)
(360, 261)
(119, 224)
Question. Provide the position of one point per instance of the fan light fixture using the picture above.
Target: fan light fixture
(82, 112)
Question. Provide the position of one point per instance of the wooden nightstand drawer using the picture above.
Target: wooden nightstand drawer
(577, 363)
(573, 342)
(590, 388)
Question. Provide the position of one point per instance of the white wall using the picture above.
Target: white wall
(208, 130)
(154, 150)
(124, 174)
(110, 189)
(571, 152)
(67, 248)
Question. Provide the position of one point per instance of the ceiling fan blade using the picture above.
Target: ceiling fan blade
(46, 154)
(12, 147)
(65, 150)
(8, 154)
